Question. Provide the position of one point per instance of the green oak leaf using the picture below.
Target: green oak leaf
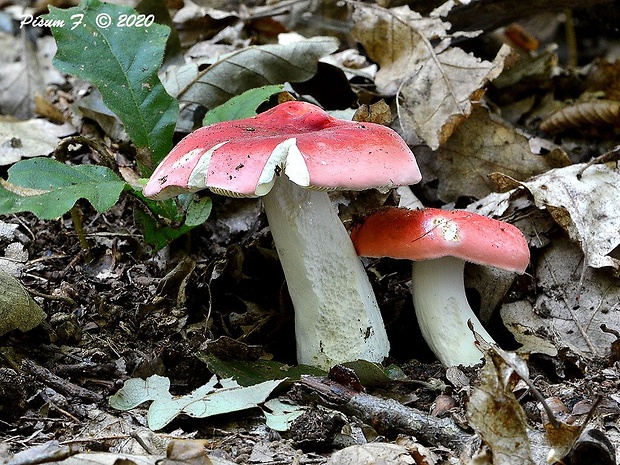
(123, 63)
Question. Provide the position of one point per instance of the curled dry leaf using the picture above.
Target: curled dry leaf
(584, 114)
(481, 145)
(494, 412)
(251, 67)
(436, 85)
(585, 206)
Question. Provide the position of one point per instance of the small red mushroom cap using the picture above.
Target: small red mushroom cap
(242, 157)
(432, 233)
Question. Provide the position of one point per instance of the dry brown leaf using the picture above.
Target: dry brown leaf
(187, 452)
(371, 454)
(396, 39)
(22, 79)
(436, 85)
(584, 114)
(32, 138)
(586, 207)
(440, 94)
(494, 412)
(482, 145)
(565, 314)
(378, 113)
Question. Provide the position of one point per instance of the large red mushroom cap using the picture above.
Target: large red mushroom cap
(432, 233)
(314, 149)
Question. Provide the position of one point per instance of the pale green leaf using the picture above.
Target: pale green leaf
(203, 402)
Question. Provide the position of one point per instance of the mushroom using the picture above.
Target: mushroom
(337, 318)
(441, 242)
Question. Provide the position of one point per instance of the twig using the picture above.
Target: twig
(76, 216)
(571, 39)
(44, 453)
(387, 416)
(612, 155)
(60, 298)
(59, 384)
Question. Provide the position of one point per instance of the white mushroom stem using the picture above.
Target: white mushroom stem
(442, 311)
(337, 318)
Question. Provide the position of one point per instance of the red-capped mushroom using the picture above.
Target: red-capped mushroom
(337, 318)
(440, 242)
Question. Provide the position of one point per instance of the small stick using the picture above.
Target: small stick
(604, 158)
(76, 216)
(59, 384)
(387, 416)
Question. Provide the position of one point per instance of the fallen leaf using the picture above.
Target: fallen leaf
(203, 402)
(91, 106)
(187, 452)
(31, 138)
(435, 84)
(352, 63)
(371, 454)
(494, 412)
(534, 67)
(249, 372)
(281, 415)
(586, 207)
(27, 75)
(17, 309)
(566, 313)
(15, 257)
(481, 145)
(253, 66)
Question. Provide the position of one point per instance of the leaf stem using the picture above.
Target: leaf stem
(76, 216)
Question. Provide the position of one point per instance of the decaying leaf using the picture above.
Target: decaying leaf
(436, 85)
(281, 415)
(565, 314)
(174, 457)
(538, 66)
(481, 145)
(31, 138)
(371, 454)
(25, 70)
(17, 309)
(214, 398)
(593, 446)
(352, 63)
(440, 95)
(251, 67)
(583, 114)
(91, 106)
(586, 206)
(494, 412)
(188, 452)
(15, 257)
